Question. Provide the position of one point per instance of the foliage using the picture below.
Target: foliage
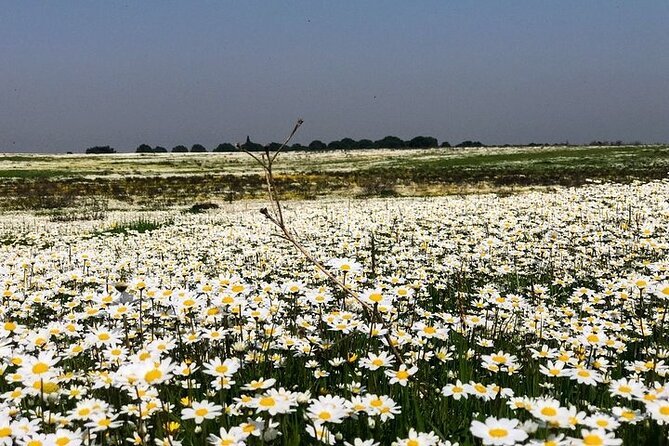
(199, 208)
(469, 143)
(144, 148)
(225, 147)
(100, 150)
(317, 145)
(390, 142)
(423, 142)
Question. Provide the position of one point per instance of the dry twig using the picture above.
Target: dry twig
(275, 215)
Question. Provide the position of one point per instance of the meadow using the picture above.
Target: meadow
(527, 307)
(158, 181)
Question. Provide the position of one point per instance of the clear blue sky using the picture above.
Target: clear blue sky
(79, 73)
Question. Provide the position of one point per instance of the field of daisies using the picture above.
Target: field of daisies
(537, 318)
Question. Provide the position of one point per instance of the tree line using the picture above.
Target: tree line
(388, 142)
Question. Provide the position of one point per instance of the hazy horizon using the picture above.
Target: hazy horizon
(76, 75)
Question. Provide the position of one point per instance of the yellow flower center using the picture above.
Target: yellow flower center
(593, 440)
(376, 297)
(628, 415)
(498, 432)
(402, 374)
(153, 375)
(40, 368)
(201, 412)
(267, 402)
(376, 402)
(549, 411)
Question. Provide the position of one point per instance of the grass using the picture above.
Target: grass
(139, 226)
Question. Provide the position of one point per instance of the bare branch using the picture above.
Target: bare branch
(276, 217)
(258, 160)
(285, 143)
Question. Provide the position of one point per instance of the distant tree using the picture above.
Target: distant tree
(317, 145)
(273, 146)
(345, 144)
(144, 148)
(390, 142)
(334, 145)
(198, 148)
(423, 142)
(348, 143)
(470, 144)
(297, 146)
(365, 144)
(159, 149)
(445, 144)
(100, 150)
(251, 146)
(225, 147)
(180, 149)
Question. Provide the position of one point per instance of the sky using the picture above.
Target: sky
(75, 74)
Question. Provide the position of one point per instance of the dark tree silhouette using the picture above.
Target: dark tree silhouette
(225, 147)
(390, 142)
(423, 142)
(365, 144)
(144, 148)
(251, 146)
(317, 145)
(100, 150)
(469, 143)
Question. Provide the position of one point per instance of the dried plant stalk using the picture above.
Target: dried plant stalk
(275, 215)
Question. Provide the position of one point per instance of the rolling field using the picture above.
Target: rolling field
(163, 180)
(479, 296)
